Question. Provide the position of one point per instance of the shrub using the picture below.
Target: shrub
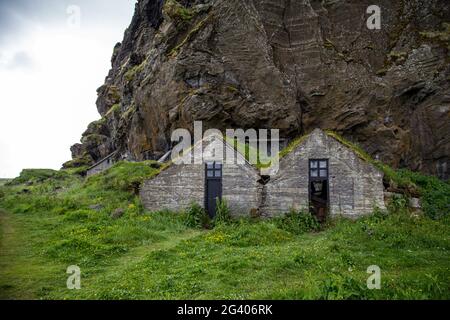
(398, 204)
(196, 217)
(223, 215)
(338, 287)
(298, 222)
(435, 193)
(379, 215)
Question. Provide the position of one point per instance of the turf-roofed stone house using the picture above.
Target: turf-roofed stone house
(205, 180)
(326, 177)
(320, 174)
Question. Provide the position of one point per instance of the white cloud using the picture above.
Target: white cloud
(19, 60)
(48, 90)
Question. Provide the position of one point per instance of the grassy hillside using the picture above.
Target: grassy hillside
(4, 181)
(51, 220)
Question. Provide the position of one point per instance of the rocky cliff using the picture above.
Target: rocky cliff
(290, 64)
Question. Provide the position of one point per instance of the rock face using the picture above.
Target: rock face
(290, 64)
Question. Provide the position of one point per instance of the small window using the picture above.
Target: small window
(318, 169)
(213, 170)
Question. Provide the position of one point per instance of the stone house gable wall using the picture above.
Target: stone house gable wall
(174, 188)
(179, 185)
(355, 186)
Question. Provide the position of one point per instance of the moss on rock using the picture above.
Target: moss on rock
(177, 12)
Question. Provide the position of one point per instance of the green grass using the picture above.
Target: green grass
(292, 146)
(32, 176)
(51, 220)
(4, 181)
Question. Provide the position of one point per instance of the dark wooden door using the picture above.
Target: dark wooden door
(213, 191)
(319, 188)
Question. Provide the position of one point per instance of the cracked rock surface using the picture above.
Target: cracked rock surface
(294, 65)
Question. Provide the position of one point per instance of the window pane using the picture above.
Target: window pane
(218, 174)
(314, 173)
(210, 165)
(313, 164)
(218, 166)
(210, 173)
(323, 173)
(323, 164)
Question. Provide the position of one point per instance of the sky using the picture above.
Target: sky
(54, 54)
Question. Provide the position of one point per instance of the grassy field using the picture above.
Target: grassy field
(51, 220)
(4, 181)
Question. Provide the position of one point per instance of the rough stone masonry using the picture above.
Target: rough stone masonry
(355, 186)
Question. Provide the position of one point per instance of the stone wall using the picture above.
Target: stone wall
(355, 186)
(174, 188)
(100, 167)
(180, 184)
(241, 188)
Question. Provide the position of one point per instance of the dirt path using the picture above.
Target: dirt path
(20, 269)
(138, 253)
(117, 268)
(25, 275)
(7, 244)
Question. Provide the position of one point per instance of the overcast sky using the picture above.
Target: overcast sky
(54, 54)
